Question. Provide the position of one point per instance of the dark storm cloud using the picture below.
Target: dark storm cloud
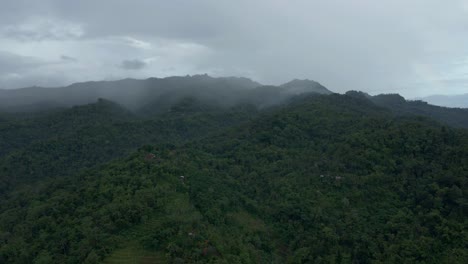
(376, 46)
(13, 63)
(133, 64)
(68, 58)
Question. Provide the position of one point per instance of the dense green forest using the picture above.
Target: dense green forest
(59, 143)
(316, 179)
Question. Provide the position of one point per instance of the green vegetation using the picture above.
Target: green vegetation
(323, 179)
(84, 136)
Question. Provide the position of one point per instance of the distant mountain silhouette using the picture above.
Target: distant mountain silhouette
(460, 100)
(149, 93)
(399, 105)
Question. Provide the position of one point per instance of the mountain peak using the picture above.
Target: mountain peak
(298, 86)
(389, 98)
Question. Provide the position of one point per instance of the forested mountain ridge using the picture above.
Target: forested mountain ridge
(63, 142)
(322, 179)
(456, 117)
(133, 94)
(21, 131)
(156, 95)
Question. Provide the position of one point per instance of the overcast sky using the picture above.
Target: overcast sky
(412, 47)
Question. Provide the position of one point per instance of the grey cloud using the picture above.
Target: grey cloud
(455, 82)
(18, 71)
(133, 64)
(13, 63)
(359, 44)
(68, 58)
(29, 79)
(39, 29)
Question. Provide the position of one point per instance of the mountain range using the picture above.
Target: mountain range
(154, 95)
(134, 94)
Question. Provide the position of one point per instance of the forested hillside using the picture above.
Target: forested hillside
(320, 179)
(60, 143)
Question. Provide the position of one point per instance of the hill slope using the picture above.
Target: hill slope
(325, 179)
(63, 142)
